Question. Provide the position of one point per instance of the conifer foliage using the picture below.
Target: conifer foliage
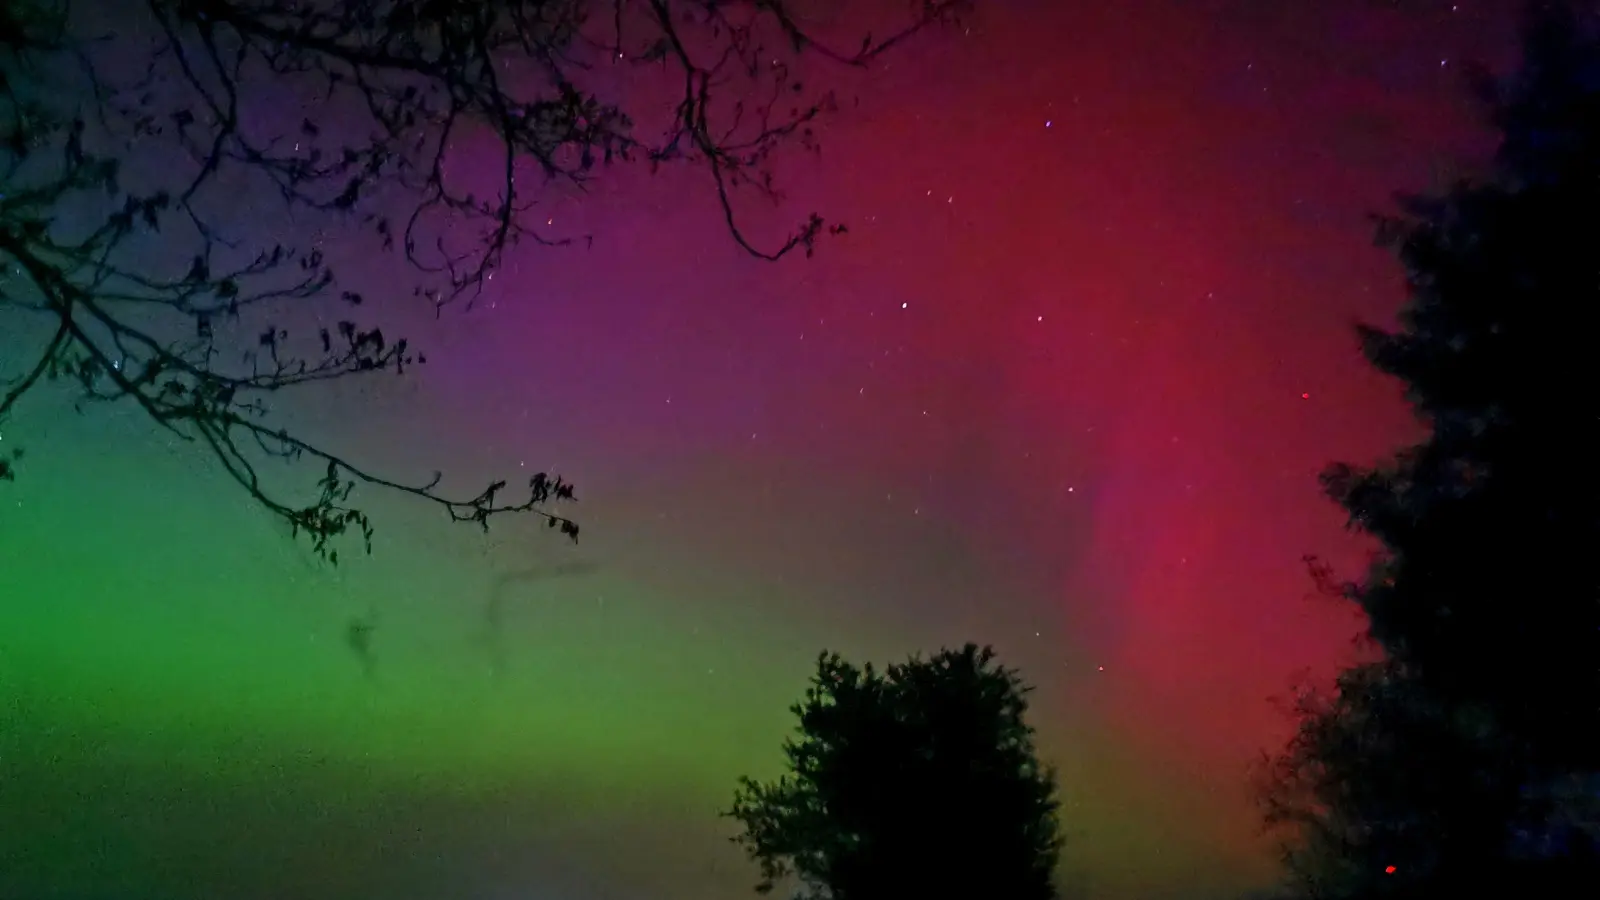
(1463, 758)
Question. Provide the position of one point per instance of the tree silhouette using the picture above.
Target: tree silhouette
(917, 781)
(1390, 793)
(147, 286)
(1464, 758)
(1486, 529)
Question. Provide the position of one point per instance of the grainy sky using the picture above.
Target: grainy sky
(1065, 388)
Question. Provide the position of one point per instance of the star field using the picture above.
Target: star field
(1065, 387)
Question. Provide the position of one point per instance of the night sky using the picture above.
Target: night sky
(1064, 388)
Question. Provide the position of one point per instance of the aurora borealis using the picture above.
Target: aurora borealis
(1064, 388)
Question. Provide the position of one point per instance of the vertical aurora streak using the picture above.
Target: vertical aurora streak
(1065, 388)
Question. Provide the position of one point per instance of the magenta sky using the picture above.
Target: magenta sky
(1090, 327)
(1065, 387)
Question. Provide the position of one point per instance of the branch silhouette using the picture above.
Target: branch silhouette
(156, 295)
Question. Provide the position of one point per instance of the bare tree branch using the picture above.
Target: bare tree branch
(353, 115)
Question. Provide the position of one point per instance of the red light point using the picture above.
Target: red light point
(1305, 396)
(1388, 870)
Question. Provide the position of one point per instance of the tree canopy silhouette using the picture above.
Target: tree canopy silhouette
(1485, 528)
(917, 781)
(1390, 793)
(1465, 757)
(139, 140)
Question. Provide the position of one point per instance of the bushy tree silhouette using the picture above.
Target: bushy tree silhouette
(917, 781)
(1390, 793)
(1487, 531)
(140, 140)
(1463, 759)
